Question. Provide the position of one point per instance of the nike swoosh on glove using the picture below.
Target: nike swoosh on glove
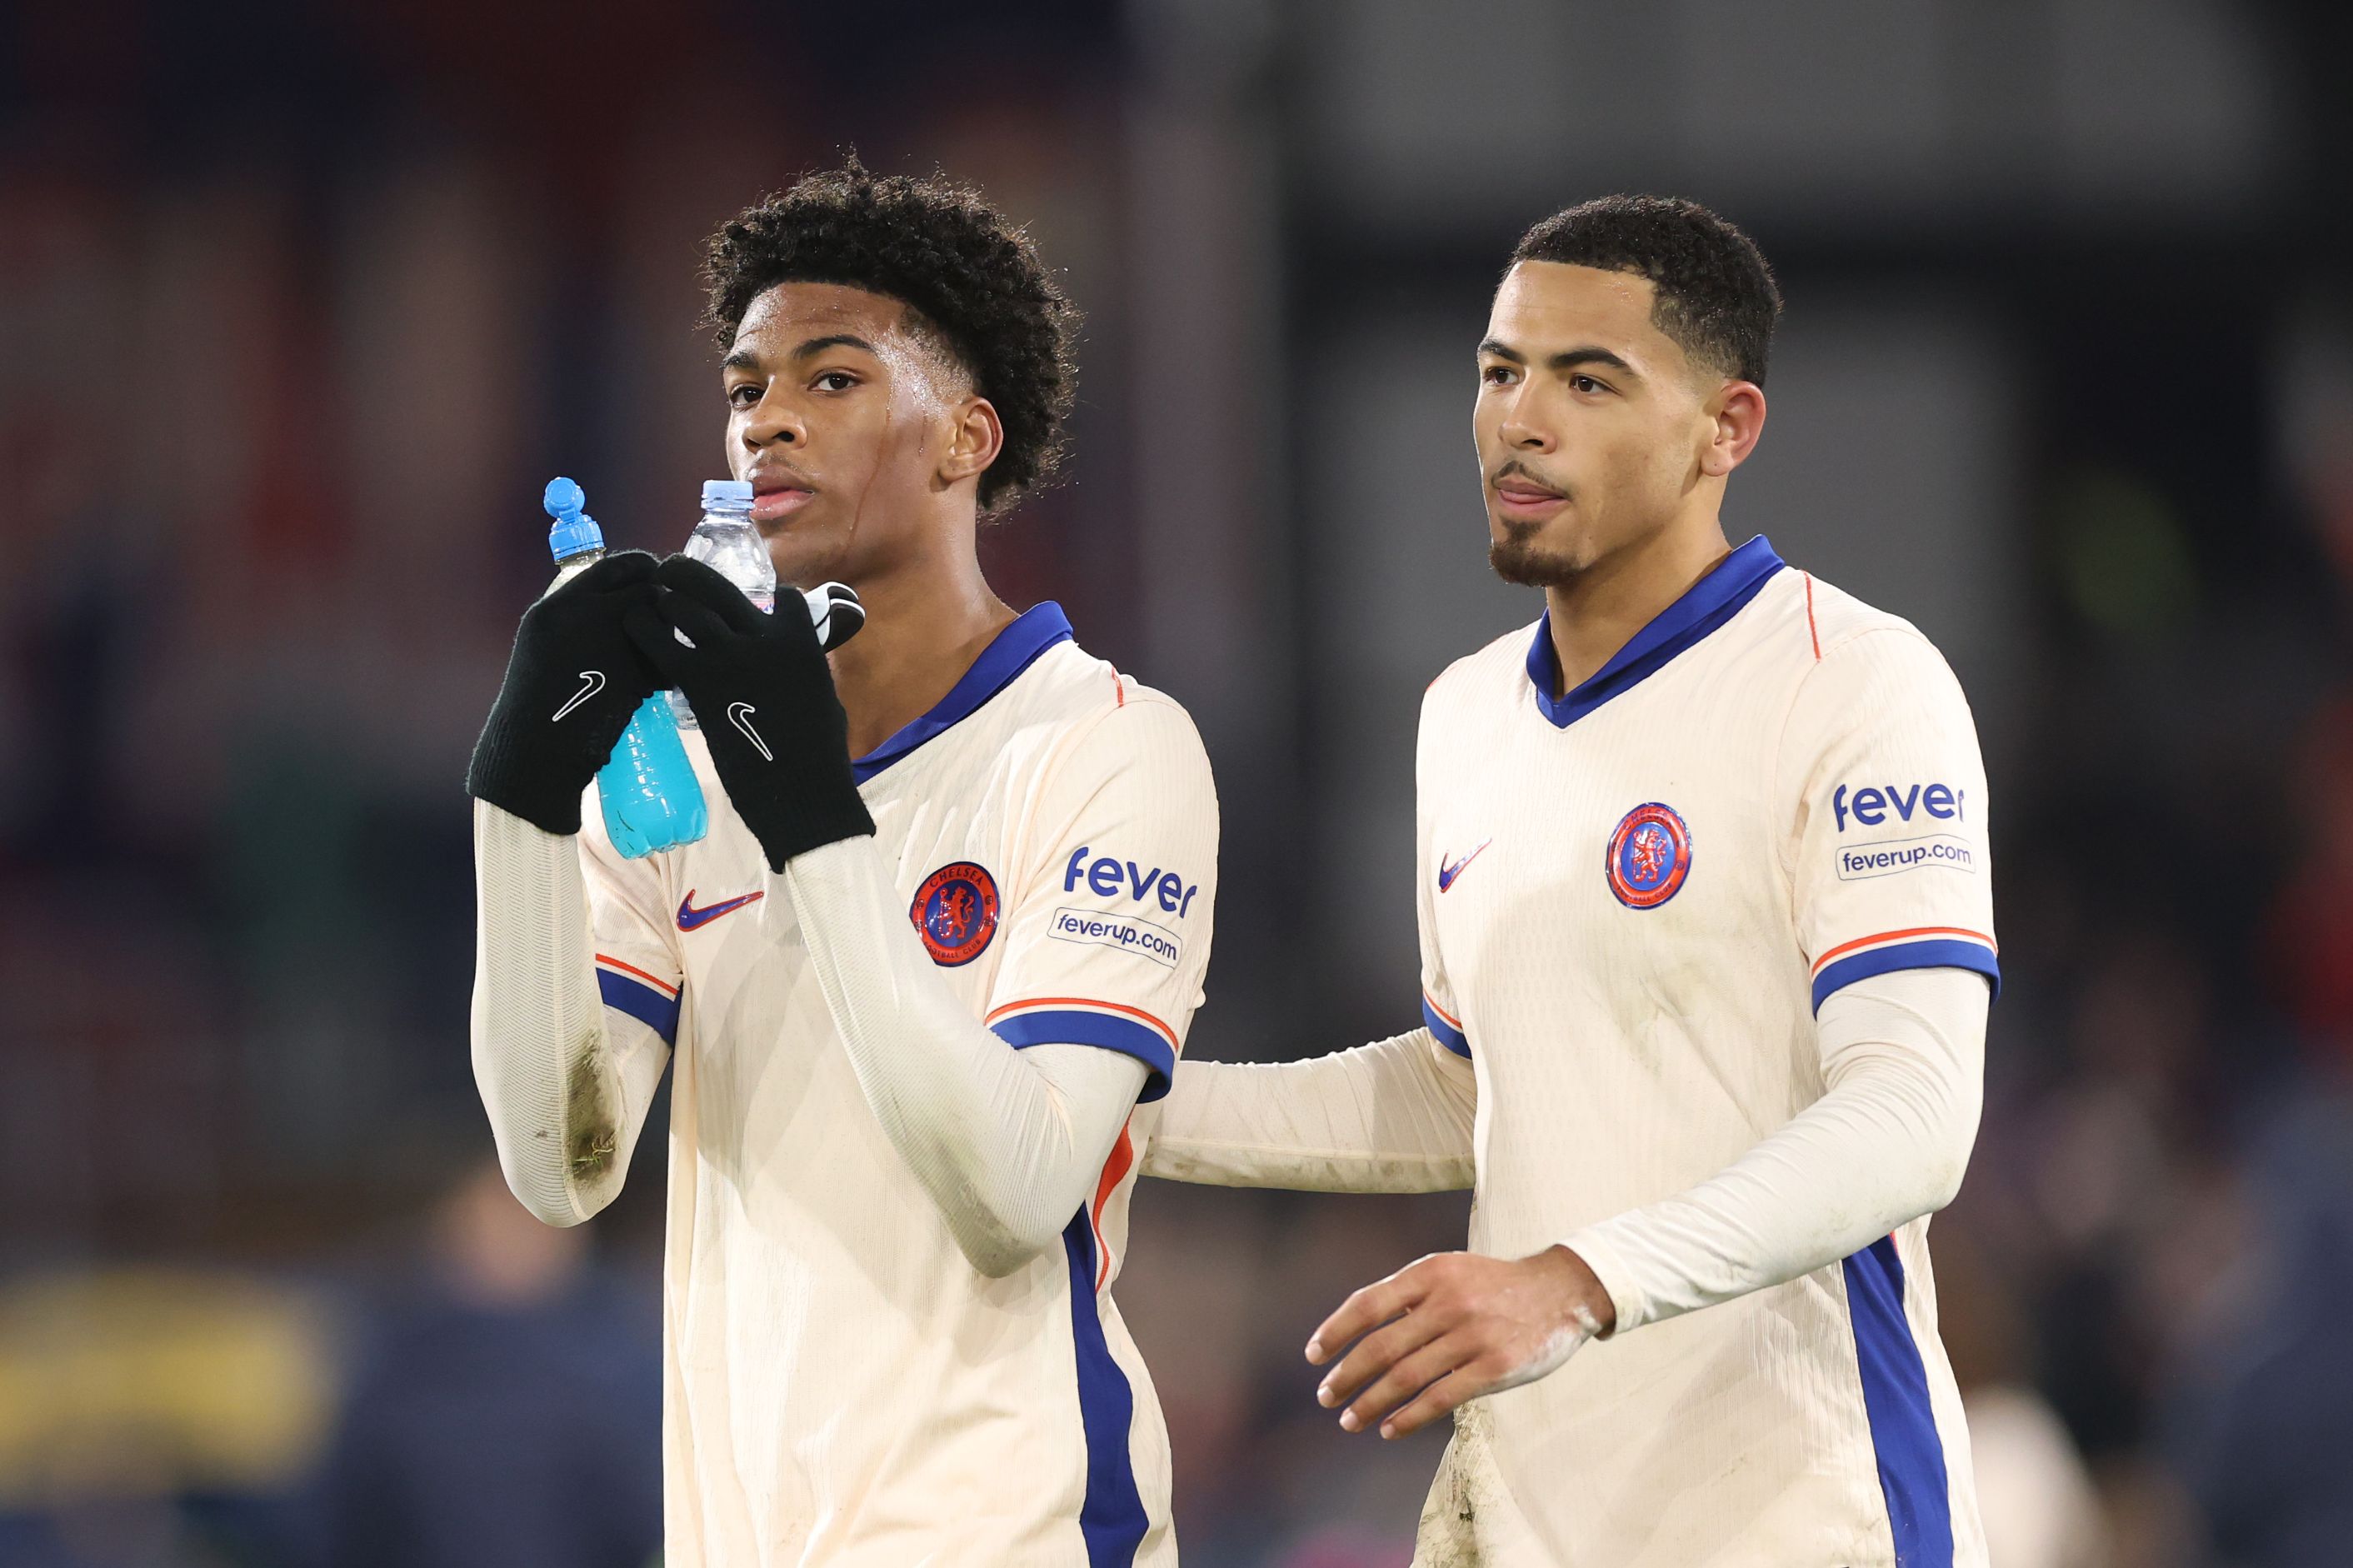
(573, 680)
(761, 687)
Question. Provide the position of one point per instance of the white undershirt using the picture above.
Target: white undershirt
(1009, 1143)
(1902, 1057)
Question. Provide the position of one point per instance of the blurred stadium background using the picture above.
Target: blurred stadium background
(299, 306)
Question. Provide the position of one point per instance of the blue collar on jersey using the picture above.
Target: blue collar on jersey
(1705, 606)
(1012, 650)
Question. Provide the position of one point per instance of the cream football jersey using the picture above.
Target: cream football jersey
(1632, 899)
(842, 1387)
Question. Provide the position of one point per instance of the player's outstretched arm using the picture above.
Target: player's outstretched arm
(567, 1081)
(1391, 1117)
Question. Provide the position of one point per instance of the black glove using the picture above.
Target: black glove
(761, 687)
(572, 682)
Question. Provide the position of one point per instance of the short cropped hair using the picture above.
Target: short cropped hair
(971, 278)
(1716, 297)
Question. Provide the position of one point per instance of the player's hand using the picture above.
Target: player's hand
(1452, 1327)
(761, 687)
(573, 680)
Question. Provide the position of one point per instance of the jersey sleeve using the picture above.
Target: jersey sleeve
(1110, 936)
(1885, 793)
(1439, 1011)
(638, 966)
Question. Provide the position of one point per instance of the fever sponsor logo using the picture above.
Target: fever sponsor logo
(1129, 934)
(1860, 861)
(954, 913)
(1873, 806)
(1109, 878)
(1649, 855)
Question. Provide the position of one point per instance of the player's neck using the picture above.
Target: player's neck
(927, 622)
(1609, 603)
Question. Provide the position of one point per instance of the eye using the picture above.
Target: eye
(835, 381)
(1586, 383)
(1496, 375)
(744, 395)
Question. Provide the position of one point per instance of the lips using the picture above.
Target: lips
(1518, 497)
(776, 495)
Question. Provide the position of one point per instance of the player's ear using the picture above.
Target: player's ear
(976, 436)
(1736, 418)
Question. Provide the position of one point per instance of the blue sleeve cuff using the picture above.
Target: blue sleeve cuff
(1075, 1027)
(1941, 954)
(641, 1002)
(1449, 1033)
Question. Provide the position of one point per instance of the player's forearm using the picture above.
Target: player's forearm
(566, 1085)
(1391, 1117)
(1904, 1055)
(1009, 1143)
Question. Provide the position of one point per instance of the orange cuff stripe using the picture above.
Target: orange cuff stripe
(1902, 936)
(1034, 1004)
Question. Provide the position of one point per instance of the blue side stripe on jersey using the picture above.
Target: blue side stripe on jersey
(1705, 606)
(1942, 953)
(1013, 650)
(640, 1001)
(1896, 1398)
(1112, 1518)
(1070, 1027)
(1452, 1038)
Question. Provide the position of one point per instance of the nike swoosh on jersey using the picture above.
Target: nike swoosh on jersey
(1449, 869)
(688, 916)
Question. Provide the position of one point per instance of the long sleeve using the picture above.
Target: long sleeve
(566, 1080)
(1391, 1117)
(1904, 1056)
(1008, 1143)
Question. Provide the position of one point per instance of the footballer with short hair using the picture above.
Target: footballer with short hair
(947, 928)
(1706, 956)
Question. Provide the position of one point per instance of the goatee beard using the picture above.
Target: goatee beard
(1517, 559)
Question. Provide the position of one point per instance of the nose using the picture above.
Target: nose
(1521, 436)
(774, 421)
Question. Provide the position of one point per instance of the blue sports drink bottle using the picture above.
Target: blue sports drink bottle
(652, 798)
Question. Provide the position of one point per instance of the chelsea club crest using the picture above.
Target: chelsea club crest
(954, 913)
(1649, 855)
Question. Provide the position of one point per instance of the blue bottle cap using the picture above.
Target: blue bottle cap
(576, 533)
(726, 495)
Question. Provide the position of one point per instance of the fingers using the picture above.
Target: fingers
(704, 627)
(683, 579)
(1440, 1398)
(1375, 1304)
(1392, 1374)
(657, 643)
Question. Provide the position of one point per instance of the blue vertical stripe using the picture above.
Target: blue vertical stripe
(1896, 1398)
(1112, 1518)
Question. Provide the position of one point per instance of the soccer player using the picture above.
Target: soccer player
(947, 928)
(1707, 949)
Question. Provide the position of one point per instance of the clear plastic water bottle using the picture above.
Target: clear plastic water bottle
(647, 788)
(727, 541)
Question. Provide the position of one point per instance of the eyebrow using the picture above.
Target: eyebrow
(744, 358)
(1567, 359)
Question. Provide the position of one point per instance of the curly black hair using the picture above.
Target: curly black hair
(972, 280)
(1716, 297)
